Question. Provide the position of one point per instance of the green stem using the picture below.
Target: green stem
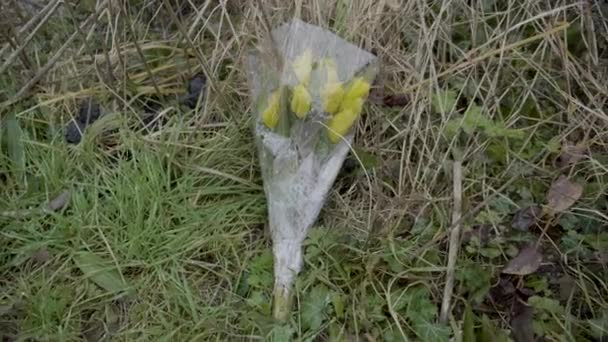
(283, 301)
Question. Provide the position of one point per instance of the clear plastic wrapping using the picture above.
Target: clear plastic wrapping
(308, 93)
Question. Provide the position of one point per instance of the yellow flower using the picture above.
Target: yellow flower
(300, 102)
(355, 105)
(333, 90)
(359, 88)
(302, 66)
(332, 97)
(270, 116)
(331, 69)
(340, 124)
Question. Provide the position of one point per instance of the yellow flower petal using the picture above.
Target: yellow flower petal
(270, 116)
(359, 88)
(354, 105)
(300, 102)
(340, 124)
(332, 71)
(302, 66)
(332, 97)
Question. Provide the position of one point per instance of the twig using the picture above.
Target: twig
(454, 243)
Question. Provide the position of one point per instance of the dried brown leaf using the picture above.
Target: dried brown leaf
(522, 321)
(571, 154)
(41, 256)
(396, 100)
(59, 202)
(562, 194)
(526, 262)
(524, 218)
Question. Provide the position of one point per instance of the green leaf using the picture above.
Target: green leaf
(260, 270)
(338, 303)
(599, 326)
(452, 127)
(489, 333)
(468, 334)
(476, 279)
(101, 272)
(281, 332)
(314, 307)
(422, 312)
(368, 160)
(261, 302)
(473, 119)
(547, 305)
(420, 307)
(431, 332)
(444, 101)
(336, 332)
(501, 131)
(14, 143)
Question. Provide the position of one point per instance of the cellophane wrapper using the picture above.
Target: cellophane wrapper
(298, 160)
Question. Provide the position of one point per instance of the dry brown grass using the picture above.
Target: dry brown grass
(539, 67)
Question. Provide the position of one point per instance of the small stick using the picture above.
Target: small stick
(454, 243)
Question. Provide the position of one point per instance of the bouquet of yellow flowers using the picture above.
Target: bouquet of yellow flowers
(308, 95)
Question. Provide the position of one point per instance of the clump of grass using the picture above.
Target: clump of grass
(178, 213)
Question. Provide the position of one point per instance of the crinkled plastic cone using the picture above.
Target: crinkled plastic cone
(287, 263)
(299, 164)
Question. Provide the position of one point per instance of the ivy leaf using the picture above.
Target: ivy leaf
(314, 307)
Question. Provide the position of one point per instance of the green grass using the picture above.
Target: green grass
(178, 215)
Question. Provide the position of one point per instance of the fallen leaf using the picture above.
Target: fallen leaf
(526, 262)
(59, 202)
(396, 100)
(570, 154)
(522, 316)
(196, 89)
(483, 232)
(101, 272)
(524, 218)
(74, 132)
(41, 256)
(562, 194)
(567, 286)
(89, 111)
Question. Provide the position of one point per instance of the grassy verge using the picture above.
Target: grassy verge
(164, 238)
